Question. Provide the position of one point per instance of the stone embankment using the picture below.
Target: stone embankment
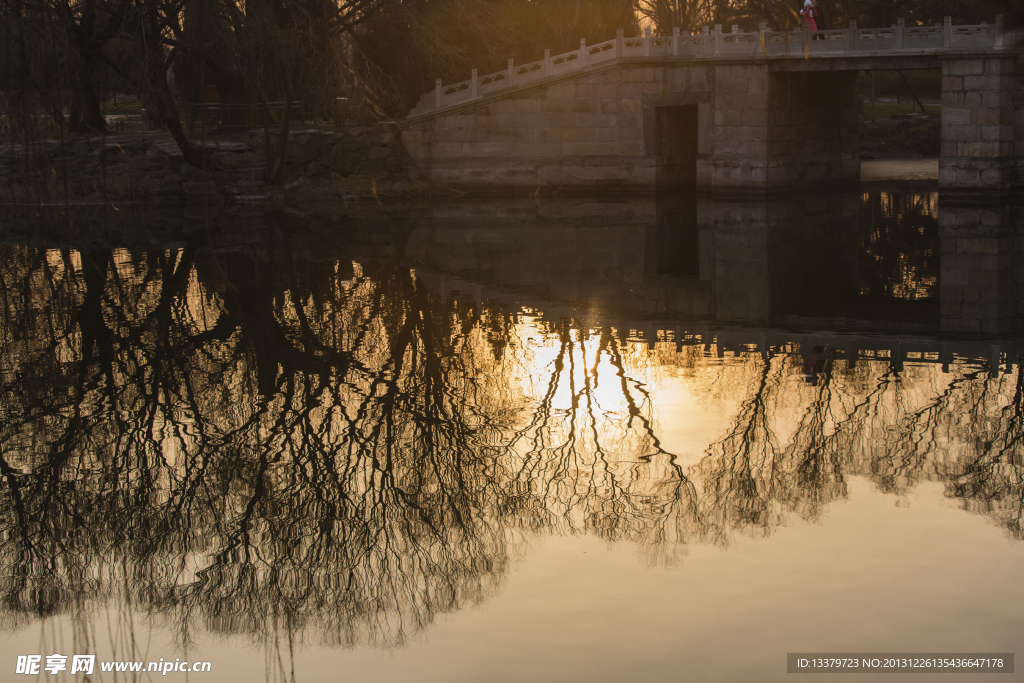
(134, 168)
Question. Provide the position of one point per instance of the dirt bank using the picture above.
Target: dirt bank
(900, 136)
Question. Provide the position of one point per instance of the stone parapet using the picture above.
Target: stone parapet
(851, 48)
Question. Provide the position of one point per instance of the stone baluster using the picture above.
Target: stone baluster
(998, 38)
(705, 39)
(510, 74)
(805, 36)
(717, 38)
(947, 31)
(851, 35)
(900, 25)
(675, 41)
(619, 43)
(762, 29)
(547, 62)
(473, 86)
(583, 53)
(438, 93)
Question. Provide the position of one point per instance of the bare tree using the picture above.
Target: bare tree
(688, 15)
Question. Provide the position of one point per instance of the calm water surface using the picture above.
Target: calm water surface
(572, 440)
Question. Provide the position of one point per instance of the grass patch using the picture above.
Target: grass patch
(126, 106)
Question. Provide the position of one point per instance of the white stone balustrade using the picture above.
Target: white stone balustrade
(717, 44)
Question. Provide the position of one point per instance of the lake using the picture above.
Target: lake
(548, 439)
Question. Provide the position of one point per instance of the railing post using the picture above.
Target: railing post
(705, 39)
(438, 95)
(473, 90)
(547, 62)
(717, 37)
(900, 24)
(675, 41)
(999, 32)
(583, 53)
(647, 42)
(947, 31)
(619, 43)
(510, 75)
(762, 28)
(805, 36)
(851, 41)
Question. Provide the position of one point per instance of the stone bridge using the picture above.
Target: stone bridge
(730, 112)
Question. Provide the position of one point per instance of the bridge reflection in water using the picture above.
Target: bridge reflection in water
(281, 440)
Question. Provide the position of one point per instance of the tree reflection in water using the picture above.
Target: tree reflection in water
(896, 428)
(327, 450)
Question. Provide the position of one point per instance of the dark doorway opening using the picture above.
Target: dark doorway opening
(676, 131)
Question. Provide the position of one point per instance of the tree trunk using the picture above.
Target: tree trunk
(276, 171)
(86, 116)
(192, 156)
(161, 103)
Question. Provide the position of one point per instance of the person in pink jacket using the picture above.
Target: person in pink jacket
(808, 14)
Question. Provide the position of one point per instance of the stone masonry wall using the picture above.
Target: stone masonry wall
(580, 131)
(980, 98)
(739, 151)
(600, 128)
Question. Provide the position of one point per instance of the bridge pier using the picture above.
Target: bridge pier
(982, 124)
